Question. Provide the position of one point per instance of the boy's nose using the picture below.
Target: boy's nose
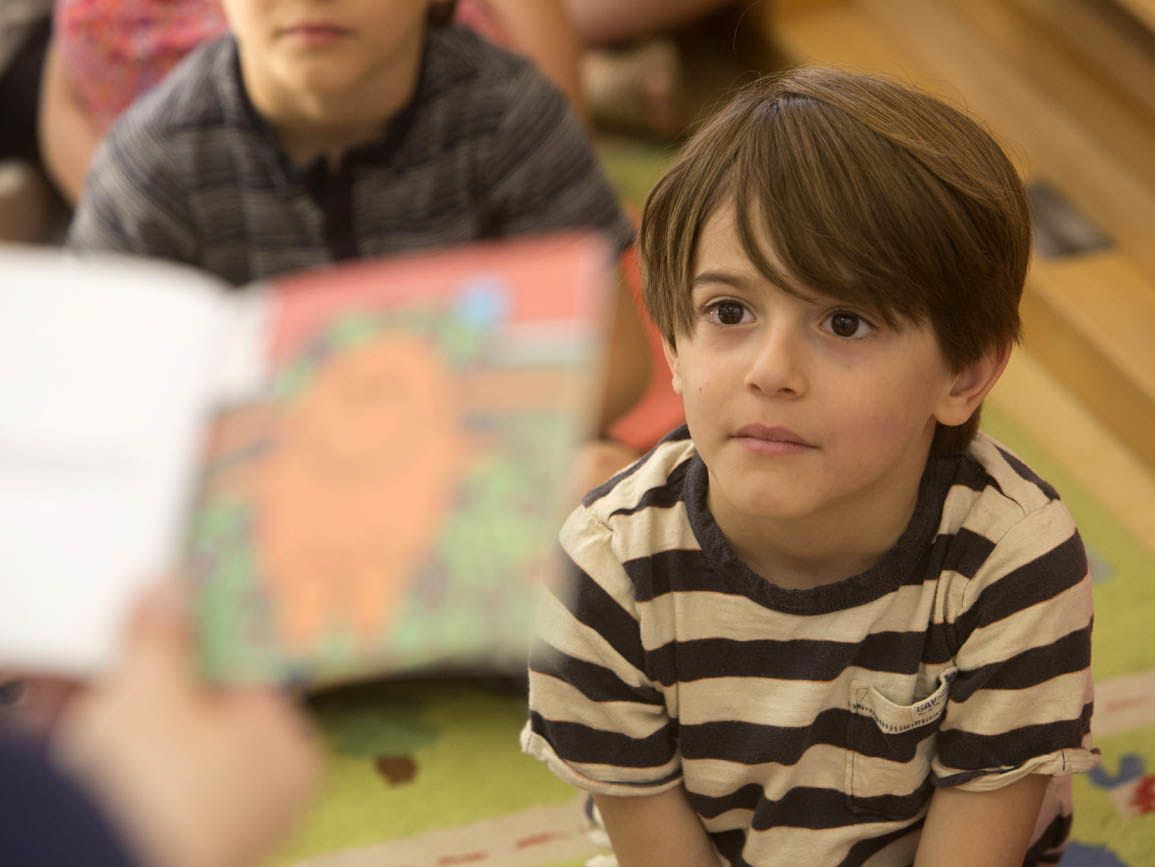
(778, 368)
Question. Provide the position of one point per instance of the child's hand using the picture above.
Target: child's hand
(193, 777)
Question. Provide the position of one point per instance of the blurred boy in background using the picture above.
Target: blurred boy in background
(323, 132)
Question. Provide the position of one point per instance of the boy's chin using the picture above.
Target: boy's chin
(317, 78)
(770, 502)
(320, 88)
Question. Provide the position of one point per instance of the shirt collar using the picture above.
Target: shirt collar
(240, 112)
(895, 567)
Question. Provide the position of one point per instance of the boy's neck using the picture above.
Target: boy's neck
(822, 549)
(311, 125)
(304, 144)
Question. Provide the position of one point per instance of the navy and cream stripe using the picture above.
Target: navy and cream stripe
(812, 726)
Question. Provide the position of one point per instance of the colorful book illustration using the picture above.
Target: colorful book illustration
(367, 478)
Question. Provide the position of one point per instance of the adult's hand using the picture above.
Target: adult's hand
(192, 776)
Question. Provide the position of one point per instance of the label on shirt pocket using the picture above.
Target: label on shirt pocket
(888, 757)
(895, 718)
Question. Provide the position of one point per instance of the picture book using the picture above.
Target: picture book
(361, 469)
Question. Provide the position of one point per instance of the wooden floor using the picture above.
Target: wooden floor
(1089, 317)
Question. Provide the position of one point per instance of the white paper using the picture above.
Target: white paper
(242, 369)
(106, 383)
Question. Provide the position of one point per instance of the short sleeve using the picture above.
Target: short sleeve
(543, 173)
(596, 719)
(133, 200)
(1021, 701)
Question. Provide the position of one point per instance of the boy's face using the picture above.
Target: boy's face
(803, 409)
(314, 48)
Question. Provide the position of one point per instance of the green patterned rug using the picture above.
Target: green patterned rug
(429, 774)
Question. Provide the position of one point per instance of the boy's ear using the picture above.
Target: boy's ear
(970, 386)
(671, 354)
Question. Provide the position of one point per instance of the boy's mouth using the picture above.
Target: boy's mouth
(771, 440)
(316, 32)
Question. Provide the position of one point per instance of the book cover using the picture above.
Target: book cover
(387, 501)
(362, 469)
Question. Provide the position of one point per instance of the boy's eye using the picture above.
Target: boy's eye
(850, 325)
(727, 312)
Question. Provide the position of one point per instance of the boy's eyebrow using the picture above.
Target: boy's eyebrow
(738, 281)
(746, 283)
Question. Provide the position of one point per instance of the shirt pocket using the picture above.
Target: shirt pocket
(889, 749)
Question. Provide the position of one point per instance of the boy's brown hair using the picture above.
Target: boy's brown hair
(867, 191)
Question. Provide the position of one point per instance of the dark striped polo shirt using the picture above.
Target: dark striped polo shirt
(486, 148)
(811, 726)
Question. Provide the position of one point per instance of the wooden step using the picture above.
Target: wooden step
(1090, 319)
(1063, 427)
(1114, 41)
(1142, 10)
(1067, 78)
(1061, 145)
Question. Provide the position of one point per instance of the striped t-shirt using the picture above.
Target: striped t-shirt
(485, 148)
(811, 726)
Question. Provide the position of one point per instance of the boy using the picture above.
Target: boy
(827, 622)
(324, 131)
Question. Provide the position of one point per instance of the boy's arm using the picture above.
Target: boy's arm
(1020, 704)
(543, 176)
(656, 829)
(135, 200)
(595, 717)
(627, 359)
(1003, 818)
(69, 136)
(544, 32)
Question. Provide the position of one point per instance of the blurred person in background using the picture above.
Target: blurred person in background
(106, 54)
(326, 132)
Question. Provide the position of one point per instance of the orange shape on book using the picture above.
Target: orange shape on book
(354, 495)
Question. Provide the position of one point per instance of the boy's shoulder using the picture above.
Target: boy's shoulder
(193, 98)
(658, 478)
(478, 78)
(994, 502)
(996, 474)
(457, 54)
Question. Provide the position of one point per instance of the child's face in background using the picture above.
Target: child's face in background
(803, 410)
(313, 50)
